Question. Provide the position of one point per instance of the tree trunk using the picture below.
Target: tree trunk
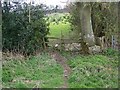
(85, 49)
(0, 26)
(87, 36)
(0, 13)
(86, 25)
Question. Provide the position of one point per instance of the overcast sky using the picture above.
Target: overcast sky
(50, 2)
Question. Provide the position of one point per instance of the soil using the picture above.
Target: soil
(62, 61)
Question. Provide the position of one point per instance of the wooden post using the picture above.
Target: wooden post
(69, 34)
(112, 41)
(29, 11)
(61, 42)
(44, 44)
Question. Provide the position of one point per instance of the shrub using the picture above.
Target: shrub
(111, 52)
(19, 33)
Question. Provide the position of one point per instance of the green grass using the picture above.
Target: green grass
(40, 71)
(58, 25)
(93, 71)
(55, 30)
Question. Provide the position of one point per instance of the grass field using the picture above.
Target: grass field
(93, 71)
(55, 30)
(59, 25)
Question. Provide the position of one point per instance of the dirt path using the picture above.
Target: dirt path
(62, 61)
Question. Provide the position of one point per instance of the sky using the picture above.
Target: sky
(61, 3)
(50, 2)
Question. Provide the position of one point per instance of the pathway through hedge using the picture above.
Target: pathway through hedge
(62, 61)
